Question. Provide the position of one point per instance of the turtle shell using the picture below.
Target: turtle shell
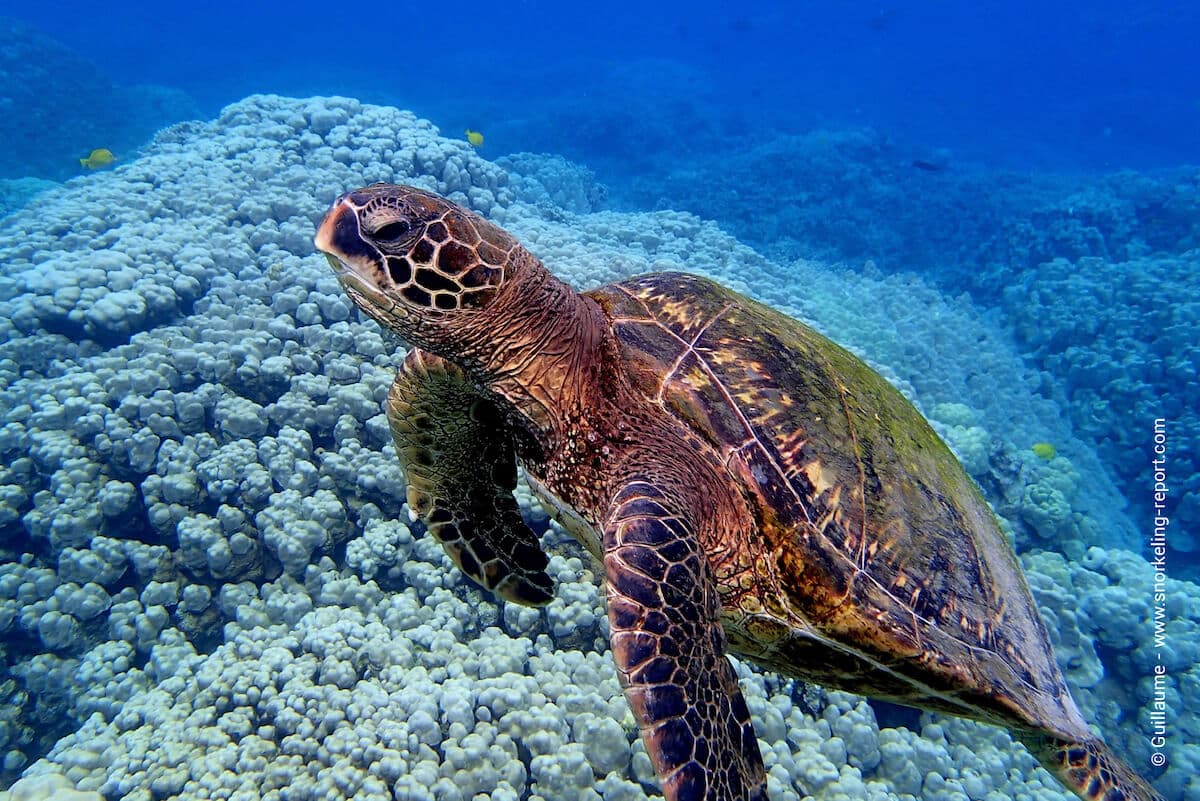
(875, 564)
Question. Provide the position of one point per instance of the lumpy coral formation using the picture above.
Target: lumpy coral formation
(1121, 333)
(209, 589)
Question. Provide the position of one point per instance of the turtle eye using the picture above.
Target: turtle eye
(392, 231)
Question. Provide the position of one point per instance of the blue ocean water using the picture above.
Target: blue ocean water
(996, 203)
(1023, 84)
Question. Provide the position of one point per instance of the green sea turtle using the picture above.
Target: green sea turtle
(749, 486)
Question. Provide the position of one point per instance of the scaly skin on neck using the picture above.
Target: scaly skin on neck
(541, 346)
(551, 354)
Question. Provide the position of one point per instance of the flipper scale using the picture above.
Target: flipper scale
(669, 647)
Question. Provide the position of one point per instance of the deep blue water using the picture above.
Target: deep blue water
(1057, 85)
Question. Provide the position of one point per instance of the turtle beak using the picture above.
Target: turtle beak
(355, 261)
(337, 235)
(340, 239)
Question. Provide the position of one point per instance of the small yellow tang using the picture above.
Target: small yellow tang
(100, 157)
(1045, 450)
(475, 138)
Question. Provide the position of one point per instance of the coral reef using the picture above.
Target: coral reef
(856, 195)
(47, 787)
(552, 182)
(1122, 337)
(1100, 611)
(207, 589)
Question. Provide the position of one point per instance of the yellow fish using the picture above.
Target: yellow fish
(100, 157)
(475, 138)
(1045, 450)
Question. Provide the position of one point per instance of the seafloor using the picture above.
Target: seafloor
(209, 589)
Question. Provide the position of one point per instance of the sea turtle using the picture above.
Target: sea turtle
(749, 486)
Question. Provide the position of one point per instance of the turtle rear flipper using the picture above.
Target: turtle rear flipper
(1089, 769)
(460, 466)
(669, 646)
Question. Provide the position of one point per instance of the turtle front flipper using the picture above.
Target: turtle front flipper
(669, 647)
(460, 465)
(1090, 769)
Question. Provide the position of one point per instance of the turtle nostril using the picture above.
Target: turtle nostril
(392, 231)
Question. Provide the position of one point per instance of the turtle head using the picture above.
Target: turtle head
(412, 260)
